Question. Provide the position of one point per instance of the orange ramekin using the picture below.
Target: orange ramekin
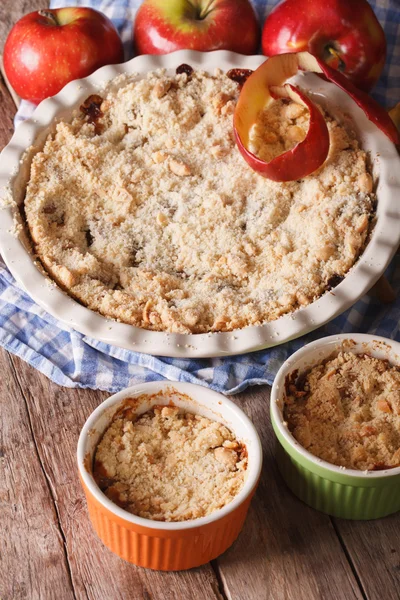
(168, 546)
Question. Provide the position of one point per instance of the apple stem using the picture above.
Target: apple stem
(49, 15)
(201, 13)
(207, 10)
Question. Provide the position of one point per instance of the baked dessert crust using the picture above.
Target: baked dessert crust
(169, 465)
(347, 411)
(148, 214)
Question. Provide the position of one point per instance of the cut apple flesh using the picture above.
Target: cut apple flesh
(309, 154)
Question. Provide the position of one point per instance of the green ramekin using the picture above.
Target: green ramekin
(340, 492)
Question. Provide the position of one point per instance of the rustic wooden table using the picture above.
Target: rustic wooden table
(49, 550)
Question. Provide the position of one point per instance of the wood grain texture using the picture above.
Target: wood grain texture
(32, 556)
(12, 10)
(375, 551)
(57, 416)
(7, 111)
(16, 99)
(290, 551)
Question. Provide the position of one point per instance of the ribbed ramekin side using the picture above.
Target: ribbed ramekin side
(338, 499)
(162, 549)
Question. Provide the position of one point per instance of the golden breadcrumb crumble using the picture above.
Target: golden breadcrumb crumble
(143, 209)
(169, 465)
(347, 412)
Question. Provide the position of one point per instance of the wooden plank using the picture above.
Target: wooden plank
(375, 552)
(57, 416)
(14, 95)
(7, 111)
(32, 557)
(12, 10)
(286, 550)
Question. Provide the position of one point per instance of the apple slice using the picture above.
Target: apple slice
(256, 96)
(307, 156)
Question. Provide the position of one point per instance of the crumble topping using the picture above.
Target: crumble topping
(347, 412)
(143, 209)
(278, 129)
(169, 465)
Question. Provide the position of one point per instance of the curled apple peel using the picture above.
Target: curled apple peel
(311, 153)
(375, 113)
(308, 155)
(255, 95)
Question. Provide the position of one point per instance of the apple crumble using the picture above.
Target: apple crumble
(169, 465)
(347, 412)
(143, 209)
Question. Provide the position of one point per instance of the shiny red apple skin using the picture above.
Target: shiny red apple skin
(47, 49)
(162, 26)
(374, 111)
(348, 27)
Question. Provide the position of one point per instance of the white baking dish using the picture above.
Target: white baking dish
(14, 173)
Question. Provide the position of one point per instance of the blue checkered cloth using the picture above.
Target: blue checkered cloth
(74, 360)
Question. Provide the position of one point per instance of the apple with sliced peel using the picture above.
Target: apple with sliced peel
(307, 156)
(345, 34)
(162, 26)
(259, 91)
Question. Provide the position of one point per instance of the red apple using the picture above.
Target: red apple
(343, 33)
(162, 26)
(48, 48)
